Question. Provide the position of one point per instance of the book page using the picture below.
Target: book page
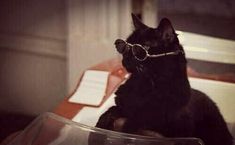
(92, 88)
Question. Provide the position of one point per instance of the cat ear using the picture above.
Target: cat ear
(167, 30)
(137, 23)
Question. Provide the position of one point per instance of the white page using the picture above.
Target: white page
(92, 88)
(90, 115)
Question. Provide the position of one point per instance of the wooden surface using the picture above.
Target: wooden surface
(117, 73)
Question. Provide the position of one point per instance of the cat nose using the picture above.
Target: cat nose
(120, 45)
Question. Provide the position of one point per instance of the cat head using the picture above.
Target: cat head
(157, 42)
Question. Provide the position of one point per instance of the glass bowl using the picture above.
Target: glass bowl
(51, 129)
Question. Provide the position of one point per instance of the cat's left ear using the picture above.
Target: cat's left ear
(137, 23)
(167, 30)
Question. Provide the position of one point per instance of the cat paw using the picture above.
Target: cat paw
(118, 124)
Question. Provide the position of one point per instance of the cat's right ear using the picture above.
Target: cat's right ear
(137, 23)
(168, 32)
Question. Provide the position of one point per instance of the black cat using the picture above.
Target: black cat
(157, 99)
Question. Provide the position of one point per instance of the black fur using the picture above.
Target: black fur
(158, 96)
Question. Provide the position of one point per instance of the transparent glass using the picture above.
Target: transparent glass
(51, 129)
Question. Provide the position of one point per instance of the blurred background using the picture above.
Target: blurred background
(46, 45)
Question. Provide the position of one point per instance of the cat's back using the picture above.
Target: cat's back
(203, 107)
(209, 123)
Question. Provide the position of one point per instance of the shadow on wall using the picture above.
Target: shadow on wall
(12, 122)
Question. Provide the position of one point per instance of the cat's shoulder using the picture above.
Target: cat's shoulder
(197, 95)
(201, 102)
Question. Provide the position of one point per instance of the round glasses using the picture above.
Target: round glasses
(140, 52)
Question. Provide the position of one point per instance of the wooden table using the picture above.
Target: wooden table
(117, 72)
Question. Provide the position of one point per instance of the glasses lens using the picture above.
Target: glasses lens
(139, 52)
(120, 45)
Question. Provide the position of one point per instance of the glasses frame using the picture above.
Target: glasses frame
(131, 46)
